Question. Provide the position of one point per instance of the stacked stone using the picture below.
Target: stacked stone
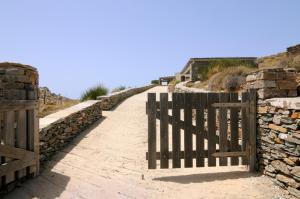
(18, 82)
(57, 135)
(49, 98)
(110, 101)
(279, 145)
(294, 49)
(275, 82)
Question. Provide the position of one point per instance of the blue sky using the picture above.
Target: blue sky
(76, 44)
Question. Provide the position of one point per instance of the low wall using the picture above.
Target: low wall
(279, 141)
(58, 129)
(110, 101)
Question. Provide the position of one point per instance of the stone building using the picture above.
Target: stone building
(191, 71)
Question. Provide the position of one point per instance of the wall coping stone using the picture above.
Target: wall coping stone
(286, 103)
(65, 113)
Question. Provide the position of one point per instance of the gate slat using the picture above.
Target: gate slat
(200, 100)
(234, 127)
(188, 136)
(21, 136)
(211, 123)
(252, 130)
(151, 130)
(176, 141)
(2, 159)
(164, 131)
(245, 126)
(223, 144)
(9, 139)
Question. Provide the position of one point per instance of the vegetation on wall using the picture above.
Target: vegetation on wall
(120, 88)
(155, 81)
(93, 92)
(219, 65)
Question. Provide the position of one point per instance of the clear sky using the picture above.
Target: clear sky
(76, 44)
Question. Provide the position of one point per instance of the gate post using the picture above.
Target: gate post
(252, 130)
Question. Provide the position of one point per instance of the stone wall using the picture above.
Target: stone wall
(49, 98)
(276, 82)
(110, 101)
(279, 142)
(58, 129)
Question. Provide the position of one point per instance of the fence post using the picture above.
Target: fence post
(252, 130)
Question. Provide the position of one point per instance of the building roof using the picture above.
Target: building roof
(192, 60)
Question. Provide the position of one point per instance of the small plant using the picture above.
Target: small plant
(154, 82)
(93, 92)
(120, 88)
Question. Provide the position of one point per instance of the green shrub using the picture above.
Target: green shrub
(154, 82)
(93, 92)
(120, 88)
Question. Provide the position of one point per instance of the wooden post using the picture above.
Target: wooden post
(252, 130)
(151, 107)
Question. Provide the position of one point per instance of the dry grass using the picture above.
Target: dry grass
(49, 109)
(216, 82)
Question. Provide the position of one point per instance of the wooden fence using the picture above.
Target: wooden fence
(19, 124)
(204, 127)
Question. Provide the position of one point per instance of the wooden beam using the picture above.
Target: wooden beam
(16, 153)
(231, 154)
(14, 166)
(231, 105)
(13, 105)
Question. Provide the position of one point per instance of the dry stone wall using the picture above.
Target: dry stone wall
(276, 82)
(279, 142)
(110, 101)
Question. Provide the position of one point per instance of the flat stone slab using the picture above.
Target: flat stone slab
(49, 119)
(287, 103)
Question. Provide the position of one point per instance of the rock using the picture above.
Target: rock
(295, 115)
(277, 119)
(292, 126)
(270, 169)
(278, 141)
(287, 84)
(264, 84)
(286, 120)
(68, 130)
(263, 109)
(289, 181)
(278, 128)
(294, 192)
(289, 162)
(282, 136)
(296, 171)
(280, 166)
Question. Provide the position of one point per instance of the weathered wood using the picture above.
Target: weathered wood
(245, 126)
(211, 124)
(176, 138)
(36, 141)
(230, 105)
(16, 153)
(12, 166)
(152, 130)
(188, 136)
(2, 158)
(181, 154)
(223, 143)
(252, 130)
(164, 131)
(230, 154)
(234, 128)
(14, 105)
(200, 99)
(9, 140)
(21, 136)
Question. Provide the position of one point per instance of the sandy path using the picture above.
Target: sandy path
(108, 161)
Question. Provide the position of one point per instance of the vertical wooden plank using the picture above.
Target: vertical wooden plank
(200, 101)
(245, 127)
(2, 159)
(211, 124)
(9, 139)
(223, 144)
(252, 130)
(151, 130)
(234, 127)
(37, 140)
(188, 136)
(164, 131)
(21, 139)
(176, 141)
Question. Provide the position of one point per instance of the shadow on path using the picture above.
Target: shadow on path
(49, 184)
(207, 177)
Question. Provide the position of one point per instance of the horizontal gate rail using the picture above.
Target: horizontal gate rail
(230, 105)
(16, 153)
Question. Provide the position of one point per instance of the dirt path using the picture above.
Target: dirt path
(108, 161)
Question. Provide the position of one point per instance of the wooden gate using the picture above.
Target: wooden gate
(201, 129)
